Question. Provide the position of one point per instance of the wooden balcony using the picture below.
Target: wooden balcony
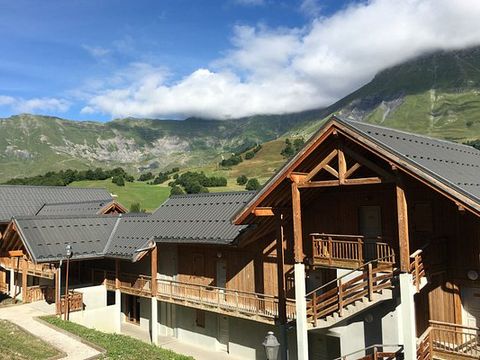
(454, 341)
(348, 251)
(242, 304)
(132, 284)
(376, 352)
(46, 271)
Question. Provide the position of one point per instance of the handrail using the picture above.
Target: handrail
(441, 323)
(400, 346)
(218, 288)
(345, 275)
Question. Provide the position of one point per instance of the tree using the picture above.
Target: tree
(252, 184)
(249, 155)
(242, 180)
(145, 176)
(298, 144)
(288, 151)
(118, 180)
(176, 190)
(136, 208)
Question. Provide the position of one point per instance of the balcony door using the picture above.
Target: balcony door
(370, 226)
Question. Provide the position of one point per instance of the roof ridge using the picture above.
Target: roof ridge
(213, 194)
(353, 122)
(72, 216)
(78, 202)
(54, 187)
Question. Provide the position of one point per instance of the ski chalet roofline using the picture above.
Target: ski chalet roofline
(453, 169)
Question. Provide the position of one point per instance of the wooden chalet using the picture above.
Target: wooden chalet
(364, 246)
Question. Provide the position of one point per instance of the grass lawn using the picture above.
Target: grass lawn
(117, 346)
(149, 196)
(17, 344)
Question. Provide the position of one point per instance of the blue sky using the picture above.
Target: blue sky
(176, 58)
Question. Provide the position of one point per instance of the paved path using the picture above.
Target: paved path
(23, 316)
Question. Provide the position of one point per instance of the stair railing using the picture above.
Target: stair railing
(322, 302)
(376, 352)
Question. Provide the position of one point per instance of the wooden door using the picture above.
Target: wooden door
(221, 279)
(133, 309)
(370, 226)
(223, 332)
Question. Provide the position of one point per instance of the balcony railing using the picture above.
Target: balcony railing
(75, 302)
(376, 352)
(417, 268)
(455, 339)
(39, 270)
(39, 292)
(348, 251)
(239, 303)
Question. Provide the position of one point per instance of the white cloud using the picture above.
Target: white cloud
(96, 51)
(310, 8)
(35, 105)
(287, 70)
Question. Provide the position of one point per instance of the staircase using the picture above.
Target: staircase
(376, 352)
(349, 294)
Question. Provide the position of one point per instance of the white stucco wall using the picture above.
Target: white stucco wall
(99, 318)
(94, 297)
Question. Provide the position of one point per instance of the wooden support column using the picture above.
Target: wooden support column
(117, 274)
(402, 218)
(57, 290)
(297, 223)
(154, 268)
(342, 164)
(24, 280)
(282, 304)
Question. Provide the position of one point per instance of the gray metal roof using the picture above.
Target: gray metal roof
(200, 218)
(74, 208)
(20, 200)
(46, 237)
(455, 165)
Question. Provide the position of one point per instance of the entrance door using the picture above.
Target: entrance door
(223, 332)
(132, 309)
(471, 306)
(370, 226)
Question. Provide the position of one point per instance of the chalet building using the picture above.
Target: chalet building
(366, 245)
(19, 276)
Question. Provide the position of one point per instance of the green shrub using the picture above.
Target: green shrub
(242, 180)
(252, 184)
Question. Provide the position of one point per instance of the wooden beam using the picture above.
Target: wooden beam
(321, 165)
(402, 219)
(315, 184)
(15, 253)
(368, 163)
(117, 274)
(342, 164)
(298, 177)
(154, 269)
(24, 280)
(57, 291)
(263, 211)
(354, 168)
(297, 224)
(363, 181)
(331, 170)
(282, 302)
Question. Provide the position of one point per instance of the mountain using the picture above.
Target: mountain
(33, 144)
(436, 94)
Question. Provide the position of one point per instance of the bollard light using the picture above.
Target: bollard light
(271, 346)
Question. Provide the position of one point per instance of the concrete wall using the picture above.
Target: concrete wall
(99, 318)
(94, 297)
(189, 332)
(378, 325)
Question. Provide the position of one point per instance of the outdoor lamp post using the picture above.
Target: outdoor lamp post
(271, 346)
(68, 253)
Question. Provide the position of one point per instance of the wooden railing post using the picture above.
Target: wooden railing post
(370, 282)
(360, 251)
(340, 298)
(330, 250)
(417, 273)
(314, 308)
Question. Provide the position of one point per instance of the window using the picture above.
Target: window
(110, 298)
(200, 318)
(198, 265)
